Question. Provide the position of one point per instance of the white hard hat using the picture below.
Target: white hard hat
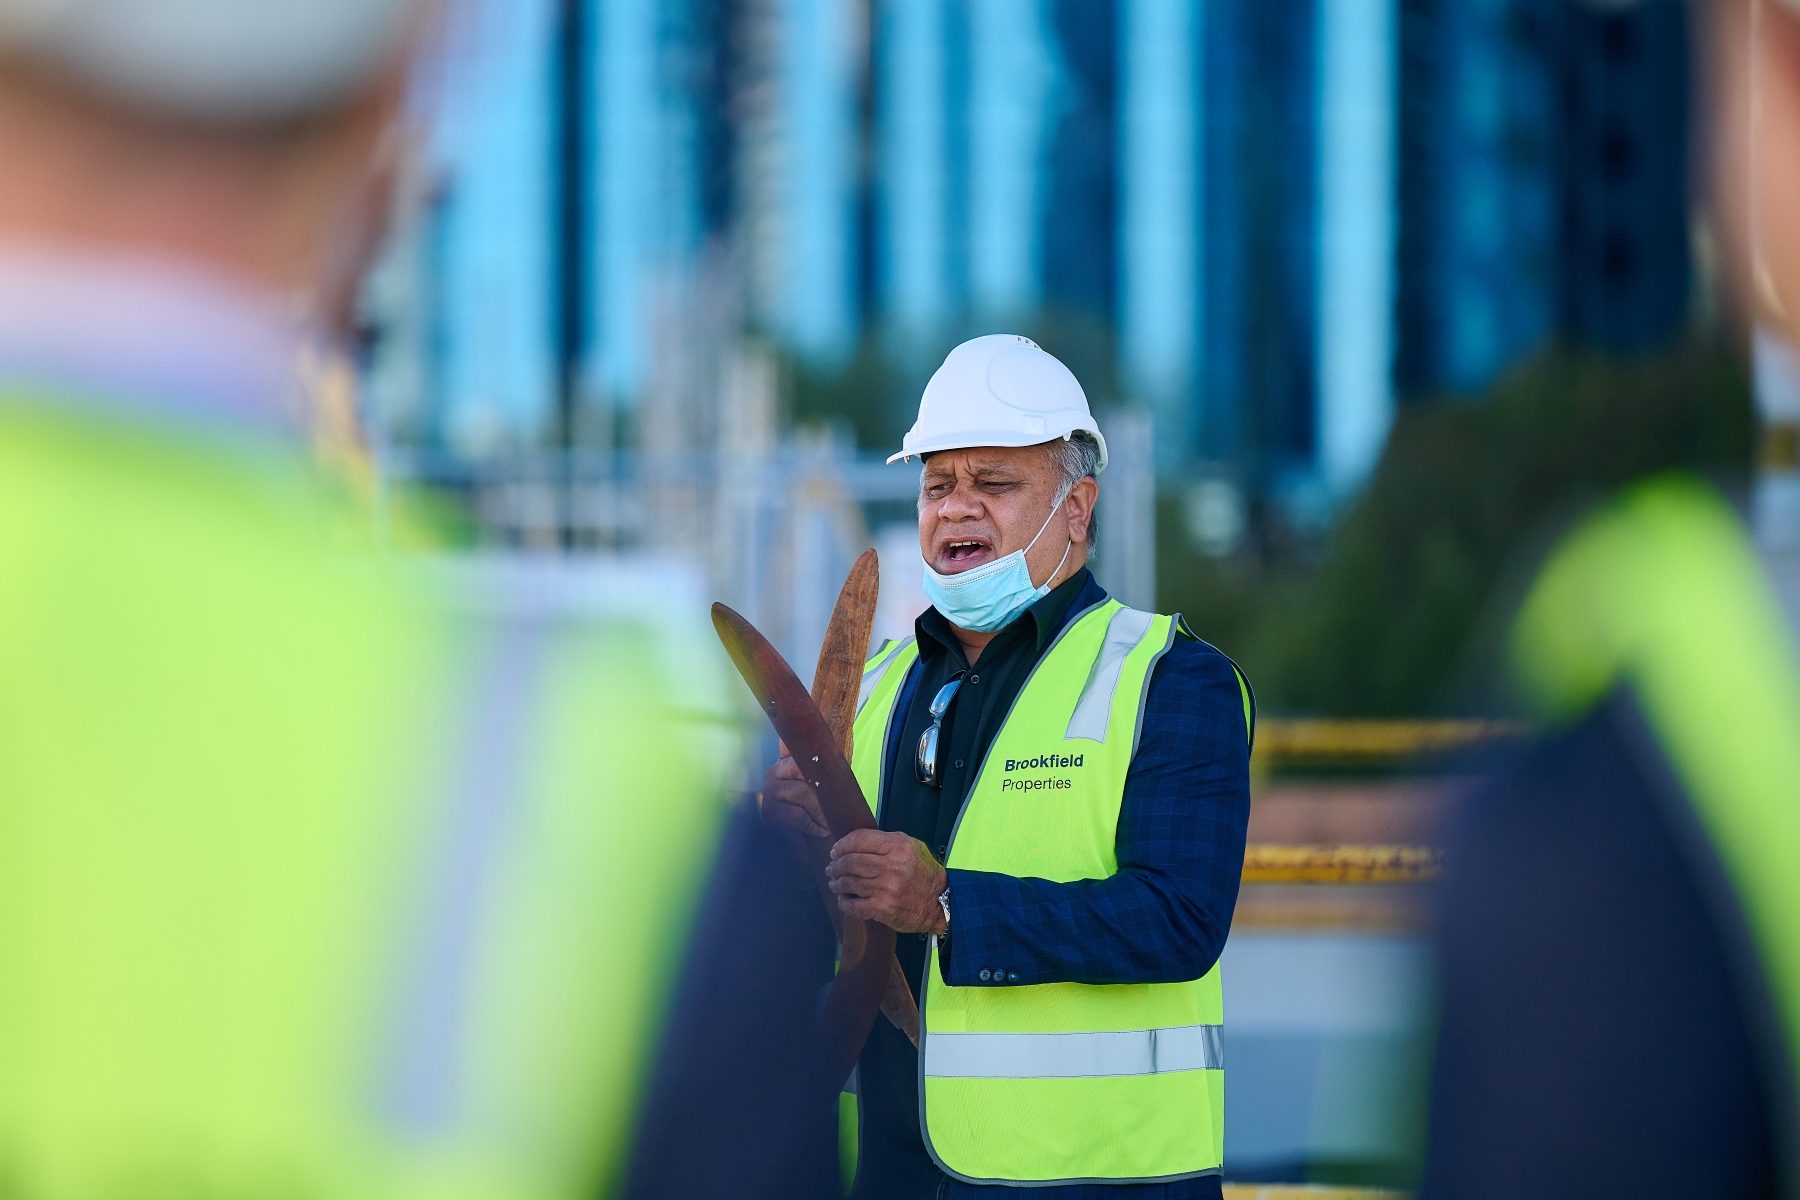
(232, 61)
(999, 390)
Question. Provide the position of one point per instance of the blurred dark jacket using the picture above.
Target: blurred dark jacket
(1619, 934)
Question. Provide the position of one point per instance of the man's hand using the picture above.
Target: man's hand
(888, 877)
(789, 801)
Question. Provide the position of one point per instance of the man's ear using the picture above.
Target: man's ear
(1082, 498)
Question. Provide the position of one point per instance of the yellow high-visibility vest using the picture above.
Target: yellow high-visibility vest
(310, 882)
(1660, 593)
(1060, 1082)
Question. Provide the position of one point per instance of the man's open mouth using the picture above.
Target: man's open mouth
(965, 550)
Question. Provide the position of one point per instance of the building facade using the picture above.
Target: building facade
(1260, 220)
(1544, 183)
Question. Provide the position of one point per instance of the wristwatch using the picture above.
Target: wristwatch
(944, 903)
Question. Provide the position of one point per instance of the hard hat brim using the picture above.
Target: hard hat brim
(1009, 439)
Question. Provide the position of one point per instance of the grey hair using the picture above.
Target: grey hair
(1075, 458)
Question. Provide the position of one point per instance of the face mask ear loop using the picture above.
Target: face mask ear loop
(1040, 533)
(1044, 526)
(1059, 563)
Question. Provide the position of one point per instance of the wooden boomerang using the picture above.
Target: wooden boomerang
(867, 946)
(836, 685)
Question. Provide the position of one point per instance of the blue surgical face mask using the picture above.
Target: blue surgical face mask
(988, 597)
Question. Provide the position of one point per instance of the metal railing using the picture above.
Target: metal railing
(773, 532)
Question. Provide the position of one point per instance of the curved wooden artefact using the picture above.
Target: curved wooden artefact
(867, 947)
(836, 684)
(846, 649)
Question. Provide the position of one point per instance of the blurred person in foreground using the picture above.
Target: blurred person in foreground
(311, 882)
(1619, 936)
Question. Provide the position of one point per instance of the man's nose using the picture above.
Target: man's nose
(960, 505)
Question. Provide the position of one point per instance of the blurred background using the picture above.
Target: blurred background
(1368, 296)
(1363, 289)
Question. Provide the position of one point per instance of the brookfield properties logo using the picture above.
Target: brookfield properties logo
(1044, 761)
(1040, 763)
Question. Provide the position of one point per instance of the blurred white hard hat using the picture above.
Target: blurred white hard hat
(999, 390)
(226, 61)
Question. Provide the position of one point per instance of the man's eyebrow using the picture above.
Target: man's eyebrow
(985, 473)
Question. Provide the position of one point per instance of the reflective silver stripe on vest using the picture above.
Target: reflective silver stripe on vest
(872, 676)
(1093, 711)
(1074, 1055)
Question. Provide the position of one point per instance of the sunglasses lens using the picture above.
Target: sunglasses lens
(927, 764)
(940, 704)
(928, 749)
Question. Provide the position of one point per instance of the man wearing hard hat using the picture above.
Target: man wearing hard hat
(1062, 787)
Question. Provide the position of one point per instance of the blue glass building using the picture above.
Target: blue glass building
(1258, 371)
(917, 204)
(1160, 218)
(817, 81)
(1081, 269)
(1012, 73)
(1479, 214)
(1279, 213)
(493, 299)
(1544, 182)
(1358, 132)
(1625, 218)
(1256, 233)
(576, 180)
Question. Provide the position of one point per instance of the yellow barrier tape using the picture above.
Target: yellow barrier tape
(1306, 1191)
(1291, 739)
(1265, 863)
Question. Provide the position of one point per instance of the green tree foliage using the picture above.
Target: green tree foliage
(1398, 610)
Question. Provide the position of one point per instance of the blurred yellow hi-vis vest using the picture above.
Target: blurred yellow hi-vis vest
(310, 881)
(1060, 1082)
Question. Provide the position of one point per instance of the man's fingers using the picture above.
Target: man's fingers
(790, 801)
(862, 909)
(794, 806)
(800, 795)
(856, 866)
(867, 841)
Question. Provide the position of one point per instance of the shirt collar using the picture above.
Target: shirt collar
(150, 336)
(1047, 616)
